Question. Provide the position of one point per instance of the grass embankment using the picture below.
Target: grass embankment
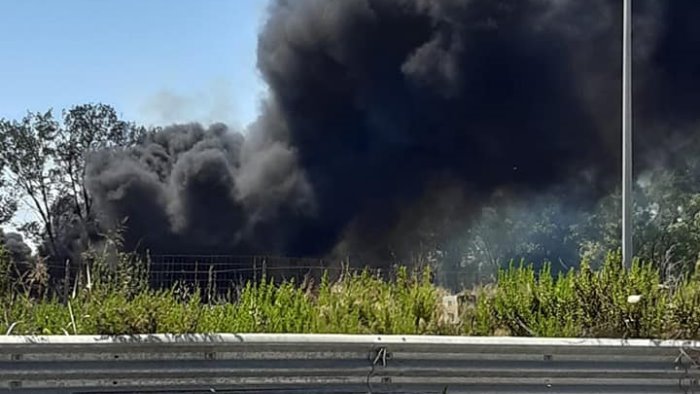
(581, 303)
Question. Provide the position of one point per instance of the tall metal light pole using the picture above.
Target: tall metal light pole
(627, 251)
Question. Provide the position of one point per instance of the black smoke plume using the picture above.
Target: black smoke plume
(391, 121)
(18, 252)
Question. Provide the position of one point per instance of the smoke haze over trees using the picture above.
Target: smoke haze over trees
(396, 130)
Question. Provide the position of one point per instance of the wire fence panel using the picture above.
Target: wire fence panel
(213, 274)
(219, 272)
(223, 273)
(294, 363)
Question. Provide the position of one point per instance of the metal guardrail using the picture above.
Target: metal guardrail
(291, 363)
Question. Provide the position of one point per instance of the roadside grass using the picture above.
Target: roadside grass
(523, 302)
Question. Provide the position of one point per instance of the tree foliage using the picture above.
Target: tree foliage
(29, 152)
(45, 158)
(8, 201)
(547, 228)
(88, 128)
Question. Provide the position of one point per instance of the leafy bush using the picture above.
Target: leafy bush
(588, 303)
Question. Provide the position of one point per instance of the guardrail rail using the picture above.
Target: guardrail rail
(296, 363)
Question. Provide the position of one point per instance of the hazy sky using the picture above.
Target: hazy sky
(156, 61)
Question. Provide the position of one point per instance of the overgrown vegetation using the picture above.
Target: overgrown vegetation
(115, 299)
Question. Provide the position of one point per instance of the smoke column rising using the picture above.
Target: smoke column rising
(390, 117)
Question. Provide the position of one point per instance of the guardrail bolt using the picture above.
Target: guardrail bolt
(210, 356)
(547, 357)
(16, 357)
(15, 384)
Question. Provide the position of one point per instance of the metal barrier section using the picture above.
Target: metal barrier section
(310, 363)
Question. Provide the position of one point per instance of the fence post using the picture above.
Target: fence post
(66, 281)
(255, 269)
(195, 280)
(210, 283)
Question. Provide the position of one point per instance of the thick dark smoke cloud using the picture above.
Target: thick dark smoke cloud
(188, 189)
(17, 250)
(390, 119)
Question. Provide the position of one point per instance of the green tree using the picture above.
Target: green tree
(8, 201)
(666, 221)
(46, 160)
(28, 152)
(86, 129)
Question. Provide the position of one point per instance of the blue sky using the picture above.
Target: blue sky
(156, 61)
